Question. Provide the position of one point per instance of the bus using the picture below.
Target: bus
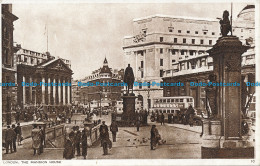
(173, 108)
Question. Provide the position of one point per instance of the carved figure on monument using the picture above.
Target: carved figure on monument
(129, 78)
(211, 104)
(225, 26)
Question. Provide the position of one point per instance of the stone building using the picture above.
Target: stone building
(36, 68)
(159, 42)
(198, 68)
(107, 95)
(8, 70)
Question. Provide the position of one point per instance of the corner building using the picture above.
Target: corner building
(159, 43)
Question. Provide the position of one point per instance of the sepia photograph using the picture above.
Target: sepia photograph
(103, 81)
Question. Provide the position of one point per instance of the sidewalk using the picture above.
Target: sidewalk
(196, 129)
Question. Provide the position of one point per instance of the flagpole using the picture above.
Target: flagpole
(47, 38)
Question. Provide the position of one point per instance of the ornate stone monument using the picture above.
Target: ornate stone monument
(129, 98)
(222, 136)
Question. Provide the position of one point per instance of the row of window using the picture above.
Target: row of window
(184, 41)
(205, 32)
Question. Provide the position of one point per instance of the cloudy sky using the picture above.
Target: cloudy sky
(87, 32)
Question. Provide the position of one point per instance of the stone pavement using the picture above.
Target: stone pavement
(182, 141)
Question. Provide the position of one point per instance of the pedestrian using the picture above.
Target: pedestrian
(77, 140)
(36, 140)
(18, 131)
(42, 139)
(191, 113)
(68, 152)
(154, 136)
(14, 138)
(114, 130)
(162, 119)
(73, 133)
(138, 124)
(104, 136)
(84, 142)
(9, 139)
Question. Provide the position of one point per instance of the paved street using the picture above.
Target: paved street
(181, 142)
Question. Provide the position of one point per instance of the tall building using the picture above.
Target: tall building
(198, 68)
(8, 70)
(35, 67)
(108, 95)
(160, 42)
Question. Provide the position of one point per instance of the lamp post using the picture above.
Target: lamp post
(100, 94)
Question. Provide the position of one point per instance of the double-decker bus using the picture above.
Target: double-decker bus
(173, 108)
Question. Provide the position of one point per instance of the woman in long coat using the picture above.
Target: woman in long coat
(68, 152)
(36, 139)
(84, 143)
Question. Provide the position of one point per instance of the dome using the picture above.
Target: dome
(247, 13)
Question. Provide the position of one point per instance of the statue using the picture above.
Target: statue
(225, 26)
(129, 78)
(211, 104)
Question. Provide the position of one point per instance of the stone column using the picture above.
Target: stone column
(49, 91)
(30, 90)
(54, 91)
(24, 96)
(43, 90)
(59, 91)
(222, 135)
(63, 92)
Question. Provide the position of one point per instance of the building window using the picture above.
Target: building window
(193, 41)
(188, 31)
(161, 84)
(184, 40)
(149, 84)
(213, 33)
(142, 64)
(140, 85)
(142, 74)
(161, 50)
(161, 62)
(25, 59)
(241, 30)
(191, 52)
(173, 60)
(161, 73)
(201, 41)
(173, 52)
(196, 32)
(31, 60)
(182, 52)
(204, 33)
(210, 42)
(144, 31)
(188, 65)
(170, 29)
(175, 40)
(161, 39)
(179, 31)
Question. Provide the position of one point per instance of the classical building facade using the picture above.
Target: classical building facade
(107, 95)
(8, 70)
(198, 68)
(48, 79)
(160, 42)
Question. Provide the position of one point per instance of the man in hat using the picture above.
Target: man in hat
(154, 134)
(9, 135)
(104, 136)
(77, 140)
(14, 137)
(18, 131)
(114, 130)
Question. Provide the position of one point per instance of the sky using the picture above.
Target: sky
(86, 33)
